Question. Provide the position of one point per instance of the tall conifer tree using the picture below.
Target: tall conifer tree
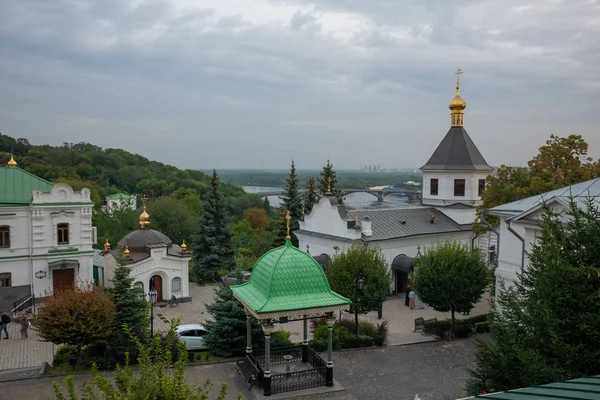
(212, 247)
(292, 198)
(328, 182)
(311, 196)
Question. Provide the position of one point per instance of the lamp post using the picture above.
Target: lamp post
(360, 284)
(152, 299)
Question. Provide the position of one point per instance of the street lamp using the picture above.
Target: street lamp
(152, 299)
(360, 285)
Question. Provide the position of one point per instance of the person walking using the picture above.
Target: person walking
(25, 324)
(4, 321)
(411, 299)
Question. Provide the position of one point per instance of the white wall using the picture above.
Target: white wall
(324, 218)
(446, 187)
(461, 216)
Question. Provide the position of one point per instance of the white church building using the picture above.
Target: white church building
(46, 236)
(453, 181)
(519, 224)
(156, 262)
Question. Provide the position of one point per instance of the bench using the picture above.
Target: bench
(429, 327)
(419, 324)
(250, 372)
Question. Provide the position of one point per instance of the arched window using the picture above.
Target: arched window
(176, 285)
(139, 285)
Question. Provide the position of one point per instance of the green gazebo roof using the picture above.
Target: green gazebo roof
(288, 282)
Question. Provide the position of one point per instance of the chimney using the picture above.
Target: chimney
(366, 227)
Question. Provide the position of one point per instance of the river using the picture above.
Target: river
(353, 200)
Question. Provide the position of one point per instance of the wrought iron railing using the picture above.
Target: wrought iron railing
(298, 380)
(277, 355)
(23, 303)
(315, 360)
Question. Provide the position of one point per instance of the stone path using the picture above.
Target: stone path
(434, 371)
(18, 353)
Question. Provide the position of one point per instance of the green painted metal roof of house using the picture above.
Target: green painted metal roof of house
(17, 186)
(287, 281)
(118, 196)
(576, 389)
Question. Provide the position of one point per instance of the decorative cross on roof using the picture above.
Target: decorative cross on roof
(144, 200)
(357, 210)
(458, 73)
(288, 217)
(329, 183)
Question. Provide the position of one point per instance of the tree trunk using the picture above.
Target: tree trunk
(452, 325)
(356, 320)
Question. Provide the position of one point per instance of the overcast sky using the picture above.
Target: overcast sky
(255, 83)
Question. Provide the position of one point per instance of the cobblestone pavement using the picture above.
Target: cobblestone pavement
(434, 371)
(400, 318)
(18, 353)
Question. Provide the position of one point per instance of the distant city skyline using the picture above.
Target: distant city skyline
(253, 84)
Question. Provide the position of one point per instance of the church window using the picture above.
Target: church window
(5, 279)
(433, 187)
(63, 233)
(459, 187)
(4, 236)
(176, 286)
(481, 187)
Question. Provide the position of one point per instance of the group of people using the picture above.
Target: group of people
(21, 319)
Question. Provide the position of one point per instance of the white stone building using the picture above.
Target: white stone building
(120, 200)
(155, 262)
(453, 181)
(519, 225)
(46, 236)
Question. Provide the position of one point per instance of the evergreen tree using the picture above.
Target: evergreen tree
(131, 311)
(547, 329)
(281, 232)
(212, 248)
(226, 335)
(310, 196)
(328, 182)
(292, 198)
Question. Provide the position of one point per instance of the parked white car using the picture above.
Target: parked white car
(193, 335)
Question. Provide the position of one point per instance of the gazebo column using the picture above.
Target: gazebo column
(329, 372)
(267, 329)
(305, 341)
(248, 333)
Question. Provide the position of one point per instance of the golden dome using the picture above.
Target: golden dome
(126, 252)
(106, 246)
(144, 216)
(183, 246)
(457, 105)
(12, 163)
(457, 102)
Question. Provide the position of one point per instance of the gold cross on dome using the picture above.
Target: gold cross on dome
(458, 73)
(288, 217)
(144, 200)
(329, 184)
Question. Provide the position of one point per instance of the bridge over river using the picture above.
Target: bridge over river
(378, 193)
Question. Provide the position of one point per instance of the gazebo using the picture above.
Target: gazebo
(287, 284)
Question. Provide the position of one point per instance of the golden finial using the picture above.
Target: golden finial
(457, 105)
(288, 217)
(11, 163)
(183, 246)
(302, 209)
(106, 246)
(126, 252)
(356, 219)
(329, 184)
(144, 216)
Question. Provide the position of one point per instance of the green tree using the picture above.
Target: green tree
(131, 312)
(311, 196)
(212, 247)
(80, 317)
(328, 181)
(115, 224)
(360, 260)
(451, 277)
(226, 335)
(157, 377)
(292, 198)
(174, 218)
(548, 326)
(190, 198)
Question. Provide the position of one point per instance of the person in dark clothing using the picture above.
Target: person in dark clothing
(407, 299)
(4, 321)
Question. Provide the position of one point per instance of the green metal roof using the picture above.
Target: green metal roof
(118, 196)
(576, 389)
(288, 279)
(17, 186)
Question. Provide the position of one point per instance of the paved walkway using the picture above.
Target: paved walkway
(434, 371)
(18, 353)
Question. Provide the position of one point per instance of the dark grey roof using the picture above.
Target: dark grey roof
(145, 237)
(323, 260)
(457, 152)
(399, 223)
(403, 263)
(322, 235)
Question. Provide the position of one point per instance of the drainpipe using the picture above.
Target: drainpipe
(511, 230)
(473, 240)
(490, 227)
(30, 256)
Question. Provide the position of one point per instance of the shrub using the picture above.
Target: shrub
(62, 354)
(281, 338)
(380, 334)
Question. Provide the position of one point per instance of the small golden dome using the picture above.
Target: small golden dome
(183, 246)
(457, 102)
(106, 246)
(126, 252)
(12, 163)
(144, 216)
